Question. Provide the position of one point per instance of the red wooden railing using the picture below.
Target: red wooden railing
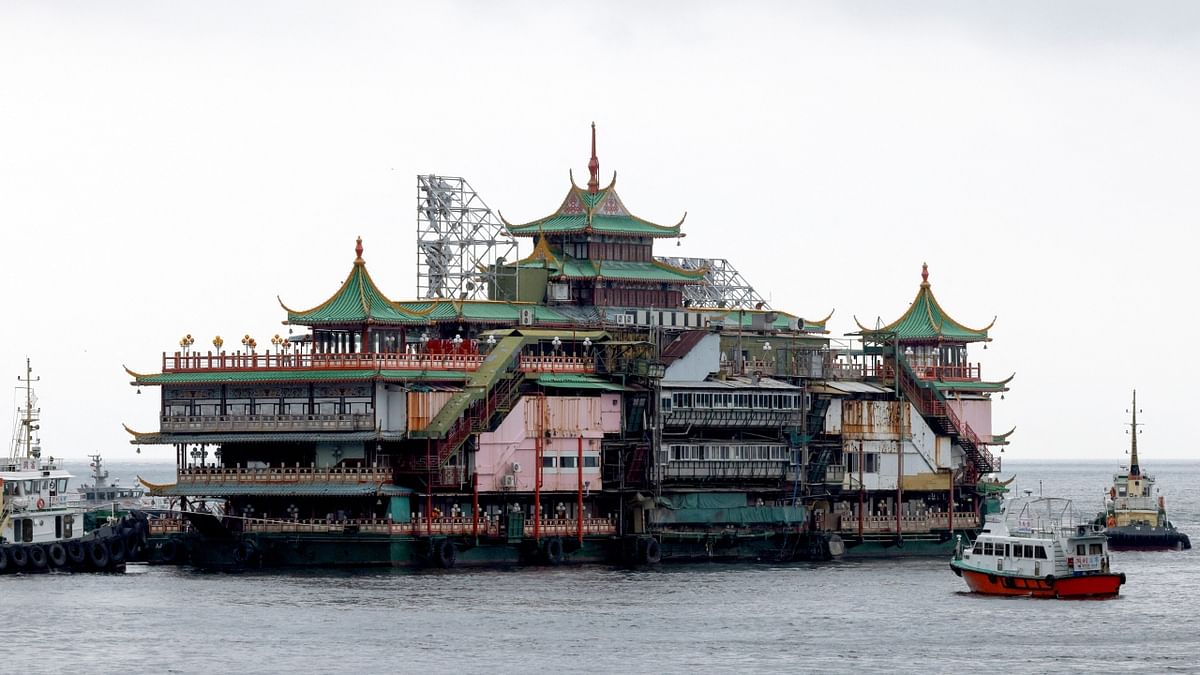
(238, 361)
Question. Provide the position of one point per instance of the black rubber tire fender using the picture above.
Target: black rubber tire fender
(76, 553)
(246, 552)
(1122, 578)
(57, 555)
(97, 553)
(3, 559)
(651, 552)
(1050, 580)
(116, 550)
(37, 557)
(445, 554)
(19, 557)
(554, 551)
(168, 551)
(957, 572)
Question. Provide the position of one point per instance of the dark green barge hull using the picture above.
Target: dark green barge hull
(280, 550)
(924, 545)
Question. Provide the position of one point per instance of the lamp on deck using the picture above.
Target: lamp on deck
(186, 343)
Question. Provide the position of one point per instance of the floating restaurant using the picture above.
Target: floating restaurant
(588, 402)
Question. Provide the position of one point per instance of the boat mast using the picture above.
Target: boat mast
(23, 444)
(1134, 470)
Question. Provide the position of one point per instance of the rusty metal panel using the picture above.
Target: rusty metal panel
(879, 420)
(424, 405)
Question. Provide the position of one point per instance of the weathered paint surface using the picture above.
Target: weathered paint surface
(505, 460)
(887, 429)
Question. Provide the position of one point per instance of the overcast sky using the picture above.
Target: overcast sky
(170, 168)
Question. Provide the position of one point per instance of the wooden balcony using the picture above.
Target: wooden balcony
(268, 423)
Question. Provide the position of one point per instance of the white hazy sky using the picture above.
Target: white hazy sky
(169, 168)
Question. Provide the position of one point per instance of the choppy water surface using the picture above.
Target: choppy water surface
(878, 616)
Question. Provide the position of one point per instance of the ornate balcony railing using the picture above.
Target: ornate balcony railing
(207, 475)
(238, 361)
(259, 423)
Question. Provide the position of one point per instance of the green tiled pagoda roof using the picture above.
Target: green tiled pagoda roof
(601, 212)
(479, 311)
(358, 301)
(926, 321)
(575, 381)
(170, 438)
(242, 376)
(560, 265)
(971, 386)
(783, 320)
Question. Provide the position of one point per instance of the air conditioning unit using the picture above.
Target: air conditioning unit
(516, 467)
(509, 481)
(526, 317)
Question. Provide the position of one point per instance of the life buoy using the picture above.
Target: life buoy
(651, 552)
(37, 557)
(41, 503)
(75, 552)
(97, 553)
(554, 551)
(57, 554)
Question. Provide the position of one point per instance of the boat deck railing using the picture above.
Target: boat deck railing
(932, 521)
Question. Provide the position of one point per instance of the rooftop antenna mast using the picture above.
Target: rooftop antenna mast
(461, 244)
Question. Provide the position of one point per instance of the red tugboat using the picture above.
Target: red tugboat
(1037, 547)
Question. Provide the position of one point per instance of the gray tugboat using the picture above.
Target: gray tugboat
(1134, 519)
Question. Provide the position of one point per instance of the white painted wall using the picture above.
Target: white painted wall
(698, 364)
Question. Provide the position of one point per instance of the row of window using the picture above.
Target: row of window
(1009, 550)
(319, 406)
(870, 462)
(715, 452)
(21, 488)
(732, 401)
(570, 462)
(22, 528)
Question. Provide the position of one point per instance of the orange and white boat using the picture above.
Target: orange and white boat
(1039, 548)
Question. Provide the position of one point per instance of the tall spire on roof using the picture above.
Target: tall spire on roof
(594, 166)
(358, 259)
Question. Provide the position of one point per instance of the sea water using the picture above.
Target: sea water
(870, 616)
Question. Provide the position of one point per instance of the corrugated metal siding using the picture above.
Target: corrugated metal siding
(424, 406)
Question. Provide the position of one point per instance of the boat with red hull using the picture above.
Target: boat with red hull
(1038, 548)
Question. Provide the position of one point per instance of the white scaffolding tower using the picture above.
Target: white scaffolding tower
(460, 242)
(723, 286)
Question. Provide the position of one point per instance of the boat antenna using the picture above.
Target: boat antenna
(1134, 470)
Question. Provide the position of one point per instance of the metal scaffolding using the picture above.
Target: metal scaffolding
(459, 241)
(723, 286)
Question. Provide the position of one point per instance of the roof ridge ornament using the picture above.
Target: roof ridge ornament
(925, 274)
(594, 166)
(358, 249)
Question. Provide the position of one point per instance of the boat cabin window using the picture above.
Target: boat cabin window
(1095, 549)
(1016, 551)
(1028, 550)
(26, 529)
(1080, 549)
(978, 550)
(1040, 552)
(987, 548)
(1006, 551)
